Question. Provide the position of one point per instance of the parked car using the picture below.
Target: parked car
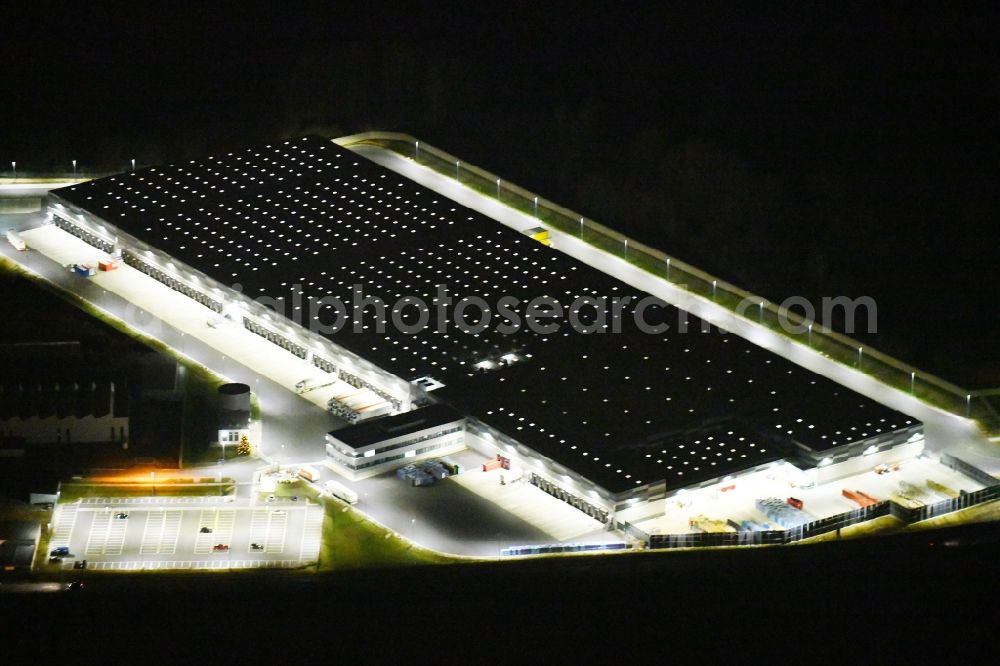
(270, 498)
(256, 546)
(80, 564)
(61, 551)
(206, 530)
(74, 586)
(121, 516)
(55, 559)
(220, 547)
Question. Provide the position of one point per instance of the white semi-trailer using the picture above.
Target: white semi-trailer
(341, 492)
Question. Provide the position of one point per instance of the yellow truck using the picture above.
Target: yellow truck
(539, 234)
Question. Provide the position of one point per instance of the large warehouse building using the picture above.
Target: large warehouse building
(269, 236)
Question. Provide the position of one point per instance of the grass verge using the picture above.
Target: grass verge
(351, 541)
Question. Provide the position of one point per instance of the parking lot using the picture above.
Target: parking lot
(187, 533)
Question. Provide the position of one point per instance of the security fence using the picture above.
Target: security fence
(984, 406)
(839, 521)
(632, 531)
(970, 471)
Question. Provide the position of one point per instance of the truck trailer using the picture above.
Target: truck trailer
(341, 492)
(309, 473)
(15, 239)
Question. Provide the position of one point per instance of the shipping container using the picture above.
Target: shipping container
(491, 464)
(858, 497)
(941, 488)
(309, 473)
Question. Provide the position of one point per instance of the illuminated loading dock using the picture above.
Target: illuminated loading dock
(611, 418)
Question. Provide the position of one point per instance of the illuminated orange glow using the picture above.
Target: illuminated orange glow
(140, 476)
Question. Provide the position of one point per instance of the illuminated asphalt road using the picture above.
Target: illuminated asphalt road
(943, 430)
(446, 518)
(287, 420)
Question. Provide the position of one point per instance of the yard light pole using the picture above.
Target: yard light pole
(715, 284)
(810, 335)
(859, 357)
(913, 380)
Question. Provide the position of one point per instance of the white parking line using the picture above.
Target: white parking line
(194, 499)
(171, 530)
(312, 534)
(65, 521)
(258, 528)
(152, 533)
(98, 536)
(220, 522)
(116, 536)
(277, 526)
(152, 565)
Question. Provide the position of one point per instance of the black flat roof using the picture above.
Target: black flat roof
(303, 219)
(379, 430)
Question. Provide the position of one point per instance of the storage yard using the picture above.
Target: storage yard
(761, 500)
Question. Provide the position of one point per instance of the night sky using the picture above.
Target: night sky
(790, 148)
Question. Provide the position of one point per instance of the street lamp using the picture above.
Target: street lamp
(13, 165)
(810, 335)
(133, 164)
(74, 168)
